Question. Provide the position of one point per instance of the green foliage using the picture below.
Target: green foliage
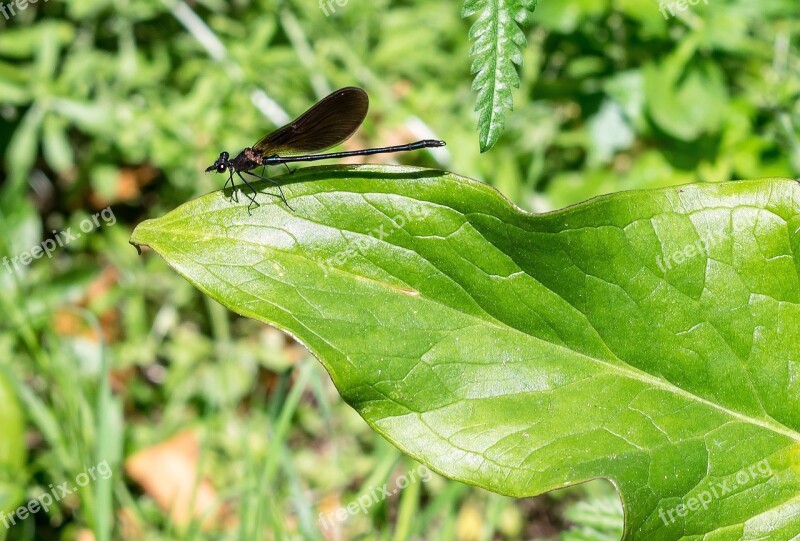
(12, 449)
(498, 40)
(644, 337)
(595, 519)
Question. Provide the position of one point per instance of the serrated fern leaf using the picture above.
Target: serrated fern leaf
(496, 51)
(595, 519)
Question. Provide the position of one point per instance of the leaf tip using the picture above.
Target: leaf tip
(143, 235)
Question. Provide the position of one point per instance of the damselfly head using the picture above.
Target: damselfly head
(221, 164)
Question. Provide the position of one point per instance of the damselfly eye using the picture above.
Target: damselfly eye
(221, 168)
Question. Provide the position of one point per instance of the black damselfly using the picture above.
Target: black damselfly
(331, 121)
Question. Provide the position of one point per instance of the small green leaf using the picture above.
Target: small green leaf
(686, 98)
(25, 41)
(651, 338)
(47, 56)
(55, 144)
(12, 448)
(13, 94)
(96, 117)
(21, 152)
(496, 50)
(594, 519)
(105, 180)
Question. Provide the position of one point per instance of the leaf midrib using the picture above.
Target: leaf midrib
(496, 69)
(623, 369)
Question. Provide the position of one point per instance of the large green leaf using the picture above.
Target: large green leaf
(650, 338)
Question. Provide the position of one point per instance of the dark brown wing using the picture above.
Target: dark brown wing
(332, 120)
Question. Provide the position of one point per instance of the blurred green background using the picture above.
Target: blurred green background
(218, 427)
